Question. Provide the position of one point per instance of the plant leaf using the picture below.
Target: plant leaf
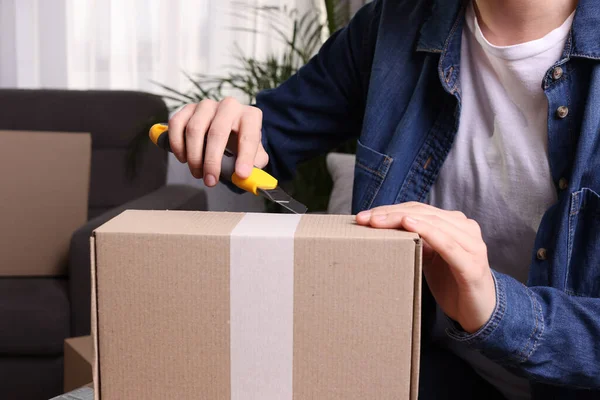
(204, 93)
(168, 89)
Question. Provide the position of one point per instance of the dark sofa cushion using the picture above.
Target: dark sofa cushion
(35, 315)
(30, 378)
(111, 186)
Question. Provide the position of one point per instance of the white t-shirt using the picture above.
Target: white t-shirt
(498, 172)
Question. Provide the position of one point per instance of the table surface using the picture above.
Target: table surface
(84, 393)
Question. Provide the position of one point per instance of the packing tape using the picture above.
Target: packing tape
(262, 306)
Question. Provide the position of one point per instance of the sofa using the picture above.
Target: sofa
(37, 314)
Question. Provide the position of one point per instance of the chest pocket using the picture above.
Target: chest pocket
(583, 273)
(369, 174)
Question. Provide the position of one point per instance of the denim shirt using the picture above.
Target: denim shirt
(391, 79)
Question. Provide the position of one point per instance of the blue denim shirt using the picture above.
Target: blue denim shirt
(391, 79)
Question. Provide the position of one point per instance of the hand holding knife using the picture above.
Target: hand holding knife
(259, 182)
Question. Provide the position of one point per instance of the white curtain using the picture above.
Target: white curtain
(124, 44)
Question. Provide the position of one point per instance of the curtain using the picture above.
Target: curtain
(124, 44)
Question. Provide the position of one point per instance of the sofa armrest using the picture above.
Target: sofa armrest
(171, 197)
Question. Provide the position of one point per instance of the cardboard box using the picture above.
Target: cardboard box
(44, 196)
(79, 357)
(191, 305)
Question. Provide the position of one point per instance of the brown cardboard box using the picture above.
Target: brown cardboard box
(79, 357)
(44, 199)
(206, 305)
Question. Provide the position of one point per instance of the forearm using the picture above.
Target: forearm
(541, 333)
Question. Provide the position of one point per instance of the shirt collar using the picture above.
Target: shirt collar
(436, 31)
(585, 33)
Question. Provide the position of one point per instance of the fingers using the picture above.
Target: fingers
(442, 242)
(177, 126)
(454, 241)
(199, 135)
(195, 133)
(249, 135)
(468, 267)
(396, 220)
(262, 158)
(458, 219)
(415, 207)
(218, 134)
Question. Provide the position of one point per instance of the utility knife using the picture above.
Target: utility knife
(259, 183)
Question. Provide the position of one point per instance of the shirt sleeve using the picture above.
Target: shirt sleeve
(323, 104)
(541, 333)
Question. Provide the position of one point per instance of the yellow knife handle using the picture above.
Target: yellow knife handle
(159, 135)
(258, 179)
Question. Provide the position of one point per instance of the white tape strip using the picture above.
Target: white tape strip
(262, 306)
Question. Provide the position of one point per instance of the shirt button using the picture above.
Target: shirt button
(542, 254)
(557, 73)
(562, 111)
(563, 183)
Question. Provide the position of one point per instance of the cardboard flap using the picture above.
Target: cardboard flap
(78, 360)
(83, 346)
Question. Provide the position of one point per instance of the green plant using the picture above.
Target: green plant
(302, 36)
(248, 75)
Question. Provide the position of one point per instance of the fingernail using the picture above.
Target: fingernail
(364, 215)
(410, 221)
(210, 180)
(244, 170)
(381, 217)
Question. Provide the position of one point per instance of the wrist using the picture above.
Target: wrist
(515, 328)
(480, 313)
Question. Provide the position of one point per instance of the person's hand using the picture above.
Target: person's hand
(455, 263)
(216, 121)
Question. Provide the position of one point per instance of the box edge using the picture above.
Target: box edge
(94, 318)
(416, 337)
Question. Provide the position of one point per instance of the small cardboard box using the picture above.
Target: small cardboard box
(191, 305)
(78, 360)
(44, 199)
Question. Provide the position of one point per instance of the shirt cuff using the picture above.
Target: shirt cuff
(514, 330)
